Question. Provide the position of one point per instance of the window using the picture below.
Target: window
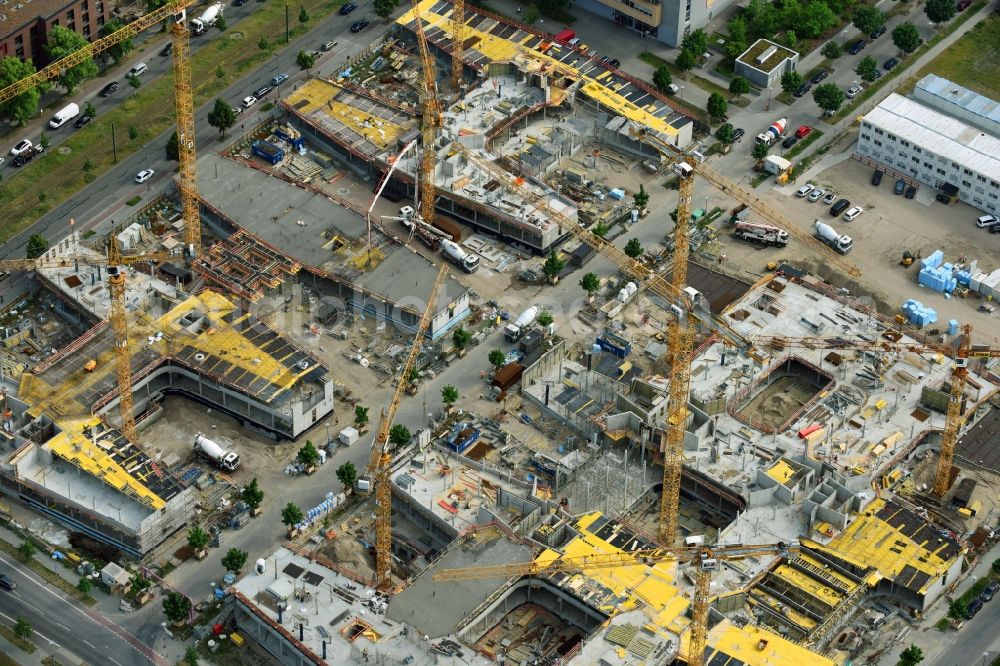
(955, 166)
(981, 179)
(877, 142)
(993, 183)
(941, 171)
(71, 26)
(866, 137)
(70, 16)
(100, 20)
(890, 137)
(905, 143)
(966, 183)
(967, 172)
(915, 160)
(85, 6)
(917, 150)
(19, 40)
(19, 52)
(928, 165)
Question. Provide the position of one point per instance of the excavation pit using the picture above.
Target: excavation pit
(778, 397)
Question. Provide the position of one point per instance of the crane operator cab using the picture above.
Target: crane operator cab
(683, 170)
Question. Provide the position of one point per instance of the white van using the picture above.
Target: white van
(64, 115)
(138, 70)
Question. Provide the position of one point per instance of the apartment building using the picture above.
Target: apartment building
(664, 20)
(24, 24)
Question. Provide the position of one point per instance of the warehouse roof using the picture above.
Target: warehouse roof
(938, 133)
(962, 97)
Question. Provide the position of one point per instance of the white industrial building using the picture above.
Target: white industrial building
(664, 20)
(920, 143)
(968, 106)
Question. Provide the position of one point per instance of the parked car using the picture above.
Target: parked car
(830, 198)
(262, 91)
(167, 50)
(329, 46)
(890, 63)
(237, 109)
(144, 175)
(789, 141)
(348, 8)
(7, 583)
(853, 91)
(23, 146)
(911, 192)
(816, 195)
(738, 134)
(819, 76)
(877, 33)
(82, 121)
(857, 46)
(900, 187)
(248, 101)
(803, 131)
(275, 80)
(974, 607)
(110, 89)
(942, 198)
(853, 213)
(803, 89)
(358, 26)
(878, 75)
(877, 178)
(25, 157)
(990, 591)
(987, 221)
(805, 189)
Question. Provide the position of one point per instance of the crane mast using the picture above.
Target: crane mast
(381, 459)
(429, 122)
(458, 43)
(123, 359)
(186, 150)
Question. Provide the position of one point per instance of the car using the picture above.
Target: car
(239, 3)
(877, 178)
(82, 121)
(24, 158)
(974, 607)
(348, 8)
(829, 198)
(275, 80)
(789, 141)
(943, 198)
(878, 75)
(819, 76)
(877, 33)
(899, 187)
(911, 192)
(167, 50)
(738, 134)
(816, 195)
(262, 91)
(22, 147)
(237, 109)
(329, 46)
(963, 5)
(605, 60)
(144, 175)
(890, 63)
(358, 26)
(990, 591)
(987, 221)
(803, 131)
(803, 89)
(248, 101)
(853, 213)
(110, 89)
(853, 91)
(2, 160)
(615, 62)
(805, 189)
(7, 583)
(857, 46)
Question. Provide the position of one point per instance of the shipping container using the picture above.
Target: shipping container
(508, 375)
(449, 226)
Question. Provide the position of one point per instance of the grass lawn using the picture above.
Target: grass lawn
(58, 175)
(656, 61)
(974, 60)
(23, 645)
(798, 148)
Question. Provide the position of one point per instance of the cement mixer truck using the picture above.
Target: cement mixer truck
(773, 133)
(207, 19)
(829, 235)
(467, 261)
(227, 460)
(516, 330)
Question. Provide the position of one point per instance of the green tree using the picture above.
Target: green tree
(263, 44)
(44, 141)
(737, 42)
(996, 566)
(868, 19)
(133, 133)
(641, 198)
(399, 435)
(116, 52)
(37, 246)
(360, 416)
(911, 656)
(88, 171)
(291, 515)
(176, 607)
(197, 538)
(685, 61)
(906, 37)
(958, 610)
(222, 116)
(725, 133)
(497, 358)
(716, 106)
(449, 395)
(760, 151)
(234, 559)
(633, 248)
(303, 15)
(817, 17)
(939, 11)
(590, 283)
(219, 72)
(22, 629)
(191, 656)
(867, 69)
(790, 81)
(600, 230)
(24, 106)
(84, 586)
(545, 319)
(308, 455)
(172, 148)
(305, 60)
(553, 265)
(739, 86)
(662, 78)
(60, 43)
(134, 81)
(385, 8)
(252, 494)
(828, 97)
(89, 110)
(832, 50)
(461, 338)
(220, 23)
(347, 474)
(791, 39)
(531, 14)
(695, 42)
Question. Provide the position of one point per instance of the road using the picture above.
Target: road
(979, 638)
(63, 628)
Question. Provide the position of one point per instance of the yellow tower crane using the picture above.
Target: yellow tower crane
(457, 44)
(705, 559)
(379, 466)
(954, 417)
(183, 100)
(430, 120)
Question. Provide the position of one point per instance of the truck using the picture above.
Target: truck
(220, 457)
(829, 235)
(773, 133)
(207, 19)
(765, 234)
(515, 331)
(467, 261)
(776, 165)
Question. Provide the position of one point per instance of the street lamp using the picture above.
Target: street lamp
(328, 434)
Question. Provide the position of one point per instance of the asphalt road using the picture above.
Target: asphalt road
(65, 628)
(979, 638)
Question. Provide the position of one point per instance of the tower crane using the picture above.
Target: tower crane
(183, 99)
(706, 560)
(430, 120)
(457, 43)
(953, 417)
(381, 456)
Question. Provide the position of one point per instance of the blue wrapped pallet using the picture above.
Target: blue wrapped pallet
(933, 261)
(916, 313)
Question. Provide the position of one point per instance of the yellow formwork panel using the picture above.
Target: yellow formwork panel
(756, 647)
(844, 580)
(809, 585)
(781, 472)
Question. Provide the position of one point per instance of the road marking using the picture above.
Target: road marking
(115, 661)
(64, 626)
(34, 632)
(90, 644)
